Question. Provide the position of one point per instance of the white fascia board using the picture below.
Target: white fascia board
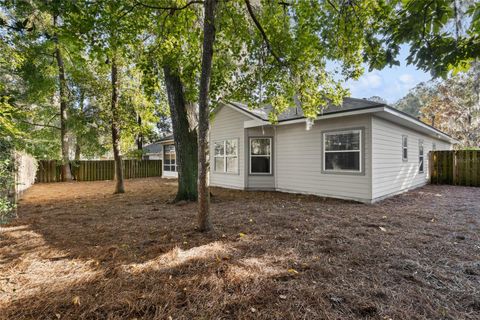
(255, 123)
(398, 115)
(334, 115)
(242, 111)
(434, 132)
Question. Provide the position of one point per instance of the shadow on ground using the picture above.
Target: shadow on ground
(79, 252)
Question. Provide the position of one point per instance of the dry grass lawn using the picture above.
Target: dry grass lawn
(79, 252)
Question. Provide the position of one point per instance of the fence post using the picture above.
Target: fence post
(475, 168)
(455, 168)
(430, 166)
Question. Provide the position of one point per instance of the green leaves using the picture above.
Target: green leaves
(285, 50)
(443, 34)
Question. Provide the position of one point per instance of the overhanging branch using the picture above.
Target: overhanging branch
(262, 32)
(173, 8)
(40, 125)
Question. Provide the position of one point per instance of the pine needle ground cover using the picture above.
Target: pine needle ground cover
(79, 252)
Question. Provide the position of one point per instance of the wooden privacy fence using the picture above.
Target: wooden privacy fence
(456, 167)
(93, 170)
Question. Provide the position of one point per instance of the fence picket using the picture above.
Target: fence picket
(93, 170)
(460, 167)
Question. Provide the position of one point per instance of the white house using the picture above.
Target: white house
(363, 151)
(164, 150)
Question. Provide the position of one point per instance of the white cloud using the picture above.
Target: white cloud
(368, 82)
(371, 80)
(406, 79)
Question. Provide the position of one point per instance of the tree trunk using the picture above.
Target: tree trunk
(185, 138)
(140, 135)
(78, 150)
(204, 223)
(78, 140)
(66, 173)
(119, 187)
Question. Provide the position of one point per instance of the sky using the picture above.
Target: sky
(389, 83)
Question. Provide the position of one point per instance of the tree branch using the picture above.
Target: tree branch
(174, 8)
(40, 125)
(262, 32)
(333, 6)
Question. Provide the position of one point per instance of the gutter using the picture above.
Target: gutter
(341, 113)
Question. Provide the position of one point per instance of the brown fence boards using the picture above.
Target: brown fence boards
(94, 170)
(455, 167)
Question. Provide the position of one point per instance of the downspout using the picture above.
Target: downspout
(274, 162)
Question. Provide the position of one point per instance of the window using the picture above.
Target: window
(420, 156)
(226, 156)
(404, 148)
(342, 151)
(169, 158)
(260, 155)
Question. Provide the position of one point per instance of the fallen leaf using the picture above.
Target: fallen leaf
(292, 271)
(383, 229)
(241, 235)
(76, 300)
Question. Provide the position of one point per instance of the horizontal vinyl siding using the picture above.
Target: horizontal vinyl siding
(228, 124)
(390, 173)
(299, 160)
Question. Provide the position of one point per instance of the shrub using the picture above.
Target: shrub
(7, 181)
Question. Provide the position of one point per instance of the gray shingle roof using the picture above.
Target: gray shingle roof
(155, 147)
(166, 138)
(349, 104)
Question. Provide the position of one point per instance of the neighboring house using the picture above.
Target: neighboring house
(164, 150)
(363, 151)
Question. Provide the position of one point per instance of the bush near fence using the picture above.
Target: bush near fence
(94, 170)
(17, 174)
(455, 167)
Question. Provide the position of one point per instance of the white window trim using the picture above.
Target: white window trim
(404, 147)
(420, 144)
(225, 156)
(259, 155)
(165, 154)
(360, 151)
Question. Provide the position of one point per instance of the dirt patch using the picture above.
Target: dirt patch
(79, 252)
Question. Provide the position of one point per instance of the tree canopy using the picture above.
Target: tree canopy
(93, 73)
(451, 105)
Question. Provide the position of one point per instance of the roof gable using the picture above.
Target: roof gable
(349, 104)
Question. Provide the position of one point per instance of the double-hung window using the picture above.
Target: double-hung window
(169, 158)
(404, 148)
(261, 155)
(342, 151)
(226, 156)
(420, 156)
